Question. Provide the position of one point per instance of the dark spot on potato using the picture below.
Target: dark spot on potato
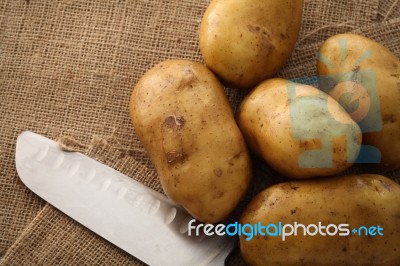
(266, 46)
(340, 164)
(218, 172)
(237, 155)
(293, 187)
(174, 122)
(337, 150)
(304, 144)
(253, 28)
(356, 69)
(387, 186)
(395, 75)
(344, 249)
(176, 180)
(293, 211)
(231, 161)
(283, 36)
(388, 119)
(219, 194)
(175, 157)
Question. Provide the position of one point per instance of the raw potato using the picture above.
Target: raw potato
(298, 130)
(247, 41)
(363, 200)
(370, 74)
(183, 119)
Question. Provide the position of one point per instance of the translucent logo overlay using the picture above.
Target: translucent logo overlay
(356, 91)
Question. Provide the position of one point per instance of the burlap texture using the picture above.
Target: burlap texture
(388, 9)
(324, 18)
(66, 71)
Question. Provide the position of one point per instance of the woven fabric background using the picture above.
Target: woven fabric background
(67, 69)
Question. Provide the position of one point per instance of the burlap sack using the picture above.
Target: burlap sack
(66, 71)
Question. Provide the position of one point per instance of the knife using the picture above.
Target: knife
(137, 219)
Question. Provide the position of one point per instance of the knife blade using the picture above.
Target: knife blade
(137, 219)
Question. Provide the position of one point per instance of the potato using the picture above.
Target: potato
(183, 118)
(339, 204)
(364, 77)
(247, 41)
(298, 130)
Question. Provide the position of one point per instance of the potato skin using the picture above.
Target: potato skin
(266, 118)
(382, 64)
(182, 117)
(247, 41)
(357, 200)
